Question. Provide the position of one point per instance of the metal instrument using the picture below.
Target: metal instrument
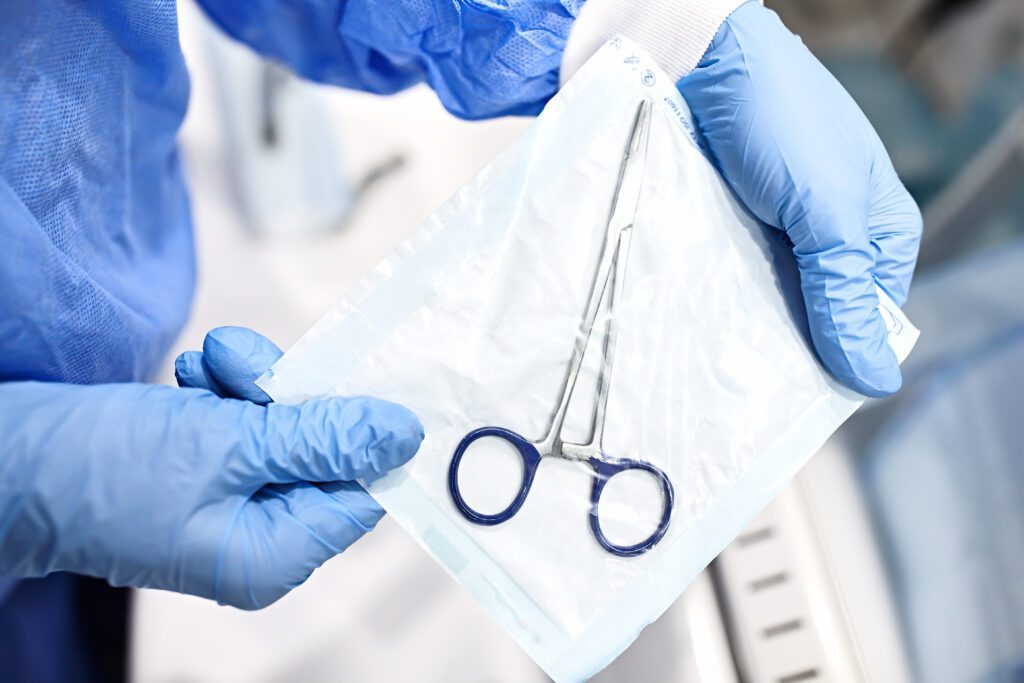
(611, 269)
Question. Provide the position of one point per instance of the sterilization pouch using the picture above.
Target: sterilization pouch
(471, 323)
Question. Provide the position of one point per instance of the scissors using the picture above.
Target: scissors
(611, 268)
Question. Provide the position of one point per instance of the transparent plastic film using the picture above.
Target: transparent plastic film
(610, 350)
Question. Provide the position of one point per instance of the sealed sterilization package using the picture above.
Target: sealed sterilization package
(610, 359)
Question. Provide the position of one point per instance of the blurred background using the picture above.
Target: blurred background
(896, 555)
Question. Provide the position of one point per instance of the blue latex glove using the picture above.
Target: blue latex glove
(186, 489)
(800, 154)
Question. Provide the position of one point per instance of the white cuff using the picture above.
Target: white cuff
(676, 33)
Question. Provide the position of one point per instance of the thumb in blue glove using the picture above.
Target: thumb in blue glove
(231, 361)
(187, 489)
(801, 155)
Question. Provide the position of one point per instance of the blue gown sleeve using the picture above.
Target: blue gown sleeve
(483, 58)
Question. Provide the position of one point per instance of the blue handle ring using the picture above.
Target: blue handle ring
(605, 470)
(531, 459)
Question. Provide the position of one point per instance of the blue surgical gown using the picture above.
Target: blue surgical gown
(96, 265)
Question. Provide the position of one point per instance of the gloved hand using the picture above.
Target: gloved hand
(800, 154)
(199, 491)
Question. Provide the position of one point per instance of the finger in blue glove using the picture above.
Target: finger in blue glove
(231, 361)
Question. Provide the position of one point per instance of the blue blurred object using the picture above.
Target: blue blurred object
(180, 489)
(800, 154)
(963, 305)
(928, 149)
(38, 633)
(945, 477)
(947, 482)
(483, 59)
